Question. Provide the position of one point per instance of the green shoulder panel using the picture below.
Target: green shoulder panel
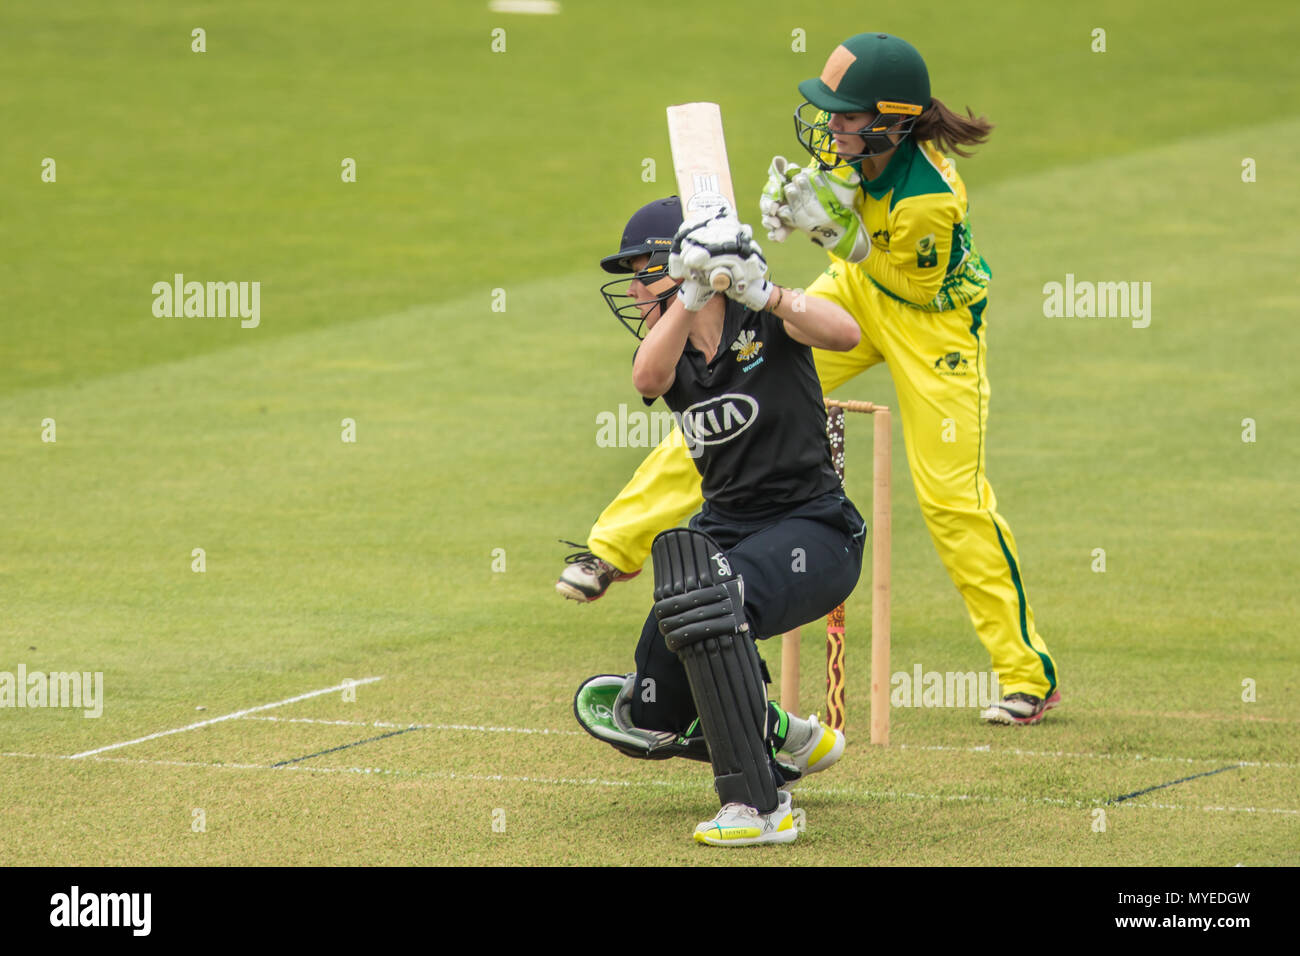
(920, 178)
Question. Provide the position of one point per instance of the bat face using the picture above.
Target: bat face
(700, 159)
(700, 162)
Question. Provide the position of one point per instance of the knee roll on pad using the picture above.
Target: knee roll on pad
(697, 595)
(686, 560)
(699, 603)
(696, 615)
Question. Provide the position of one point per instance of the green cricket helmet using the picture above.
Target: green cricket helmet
(649, 232)
(873, 73)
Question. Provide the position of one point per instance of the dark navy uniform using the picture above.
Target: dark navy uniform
(754, 420)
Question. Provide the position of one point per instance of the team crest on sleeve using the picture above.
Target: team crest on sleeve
(927, 256)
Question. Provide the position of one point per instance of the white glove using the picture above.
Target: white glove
(822, 204)
(694, 293)
(676, 269)
(727, 246)
(772, 205)
(753, 291)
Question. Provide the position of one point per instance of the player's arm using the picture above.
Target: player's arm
(920, 243)
(814, 321)
(654, 369)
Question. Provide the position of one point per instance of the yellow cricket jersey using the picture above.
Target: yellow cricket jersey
(922, 250)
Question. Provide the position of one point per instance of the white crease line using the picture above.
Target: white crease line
(379, 771)
(385, 723)
(983, 749)
(238, 713)
(669, 784)
(986, 749)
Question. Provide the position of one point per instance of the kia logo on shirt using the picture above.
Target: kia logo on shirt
(718, 419)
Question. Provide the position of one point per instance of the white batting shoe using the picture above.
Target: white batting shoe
(738, 824)
(824, 748)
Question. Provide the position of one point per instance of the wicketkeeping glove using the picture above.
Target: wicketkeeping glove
(821, 203)
(775, 213)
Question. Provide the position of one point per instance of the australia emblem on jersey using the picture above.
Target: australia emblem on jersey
(952, 364)
(745, 347)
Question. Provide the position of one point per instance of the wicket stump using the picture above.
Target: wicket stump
(880, 541)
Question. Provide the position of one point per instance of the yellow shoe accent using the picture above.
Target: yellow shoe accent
(824, 746)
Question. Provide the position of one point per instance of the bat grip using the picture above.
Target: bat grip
(720, 281)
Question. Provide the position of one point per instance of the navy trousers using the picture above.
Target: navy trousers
(797, 566)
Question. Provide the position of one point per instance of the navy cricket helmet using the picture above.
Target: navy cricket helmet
(650, 233)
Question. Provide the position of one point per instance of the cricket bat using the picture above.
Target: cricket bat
(700, 161)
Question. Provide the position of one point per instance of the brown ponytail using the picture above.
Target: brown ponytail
(950, 131)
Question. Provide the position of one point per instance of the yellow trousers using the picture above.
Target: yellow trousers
(937, 362)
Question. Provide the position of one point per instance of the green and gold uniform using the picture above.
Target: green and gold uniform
(920, 298)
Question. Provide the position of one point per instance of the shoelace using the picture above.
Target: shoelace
(580, 557)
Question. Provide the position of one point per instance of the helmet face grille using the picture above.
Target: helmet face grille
(628, 309)
(816, 137)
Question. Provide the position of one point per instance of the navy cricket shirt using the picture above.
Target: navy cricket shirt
(753, 418)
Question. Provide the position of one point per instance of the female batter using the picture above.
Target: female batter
(776, 543)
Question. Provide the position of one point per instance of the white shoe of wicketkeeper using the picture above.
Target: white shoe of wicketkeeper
(825, 746)
(738, 824)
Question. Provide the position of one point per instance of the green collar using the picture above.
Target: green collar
(898, 163)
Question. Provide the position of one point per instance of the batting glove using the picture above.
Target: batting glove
(749, 283)
(730, 247)
(822, 204)
(689, 228)
(694, 293)
(723, 237)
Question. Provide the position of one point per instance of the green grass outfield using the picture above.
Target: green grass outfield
(476, 431)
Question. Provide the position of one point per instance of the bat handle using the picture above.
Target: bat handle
(720, 280)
